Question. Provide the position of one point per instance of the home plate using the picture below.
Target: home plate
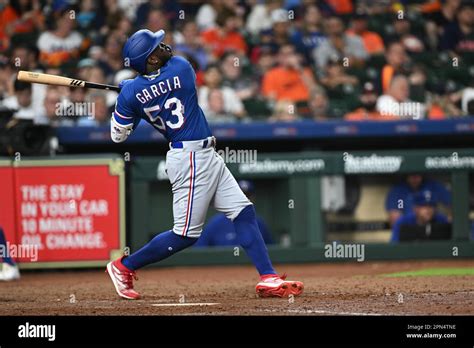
(182, 304)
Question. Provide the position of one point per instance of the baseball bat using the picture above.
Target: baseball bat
(47, 79)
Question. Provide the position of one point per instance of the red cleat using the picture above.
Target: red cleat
(272, 285)
(122, 278)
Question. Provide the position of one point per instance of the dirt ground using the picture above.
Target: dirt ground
(330, 289)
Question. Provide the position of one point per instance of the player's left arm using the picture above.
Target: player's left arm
(124, 120)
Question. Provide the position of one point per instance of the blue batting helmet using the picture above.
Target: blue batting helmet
(139, 46)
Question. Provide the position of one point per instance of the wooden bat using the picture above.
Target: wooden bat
(46, 79)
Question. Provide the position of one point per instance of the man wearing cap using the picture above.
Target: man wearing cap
(220, 231)
(424, 213)
(368, 111)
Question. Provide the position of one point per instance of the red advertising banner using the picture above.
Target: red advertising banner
(70, 212)
(7, 202)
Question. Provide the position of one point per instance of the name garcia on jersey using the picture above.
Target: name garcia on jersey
(158, 89)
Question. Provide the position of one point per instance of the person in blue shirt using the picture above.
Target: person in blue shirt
(220, 231)
(399, 200)
(424, 213)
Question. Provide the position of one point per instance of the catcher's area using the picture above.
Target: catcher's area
(330, 289)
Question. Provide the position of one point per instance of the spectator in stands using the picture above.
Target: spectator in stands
(169, 9)
(400, 198)
(309, 36)
(373, 43)
(7, 16)
(397, 63)
(458, 37)
(289, 80)
(191, 45)
(77, 96)
(372, 7)
(114, 18)
(259, 18)
(89, 18)
(396, 101)
(437, 21)
(25, 57)
(368, 110)
(341, 7)
(21, 101)
(279, 33)
(100, 115)
(225, 36)
(339, 46)
(9, 270)
(206, 17)
(111, 59)
(265, 62)
(424, 213)
(6, 79)
(213, 80)
(20, 19)
(156, 20)
(319, 106)
(336, 76)
(220, 231)
(52, 113)
(62, 44)
(403, 33)
(284, 110)
(467, 99)
(234, 77)
(216, 108)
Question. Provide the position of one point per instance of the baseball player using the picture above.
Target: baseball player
(164, 95)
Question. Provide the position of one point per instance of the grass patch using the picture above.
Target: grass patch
(430, 272)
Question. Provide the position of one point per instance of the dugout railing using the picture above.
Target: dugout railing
(289, 196)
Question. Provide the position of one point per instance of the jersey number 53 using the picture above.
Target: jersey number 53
(177, 109)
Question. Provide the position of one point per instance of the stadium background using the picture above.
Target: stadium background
(293, 80)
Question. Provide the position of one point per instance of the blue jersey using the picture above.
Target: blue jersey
(220, 231)
(167, 100)
(403, 193)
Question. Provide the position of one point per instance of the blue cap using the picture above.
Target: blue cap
(425, 198)
(247, 186)
(139, 46)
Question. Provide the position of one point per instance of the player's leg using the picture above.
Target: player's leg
(190, 202)
(232, 201)
(193, 185)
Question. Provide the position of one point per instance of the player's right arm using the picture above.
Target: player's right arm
(124, 120)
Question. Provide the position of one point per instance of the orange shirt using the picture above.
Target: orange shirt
(341, 6)
(362, 115)
(7, 16)
(387, 74)
(220, 44)
(373, 43)
(285, 84)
